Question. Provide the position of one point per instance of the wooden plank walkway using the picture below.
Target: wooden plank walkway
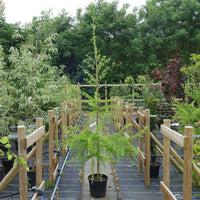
(132, 185)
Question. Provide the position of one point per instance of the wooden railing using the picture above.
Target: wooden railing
(185, 166)
(144, 121)
(186, 142)
(68, 115)
(24, 142)
(106, 91)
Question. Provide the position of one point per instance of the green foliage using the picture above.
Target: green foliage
(193, 70)
(129, 80)
(5, 141)
(9, 154)
(5, 99)
(188, 111)
(93, 142)
(122, 91)
(2, 8)
(152, 104)
(35, 85)
(164, 29)
(31, 86)
(22, 161)
(187, 114)
(135, 43)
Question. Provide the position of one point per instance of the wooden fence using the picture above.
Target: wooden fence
(24, 142)
(144, 121)
(68, 115)
(185, 166)
(186, 142)
(106, 85)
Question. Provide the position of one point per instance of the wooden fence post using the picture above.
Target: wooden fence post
(187, 174)
(121, 114)
(73, 113)
(112, 108)
(65, 121)
(166, 159)
(51, 153)
(22, 153)
(147, 147)
(133, 93)
(39, 151)
(127, 110)
(115, 113)
(70, 114)
(56, 128)
(63, 125)
(129, 113)
(140, 164)
(106, 96)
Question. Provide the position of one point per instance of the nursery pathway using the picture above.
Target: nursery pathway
(69, 184)
(132, 187)
(131, 184)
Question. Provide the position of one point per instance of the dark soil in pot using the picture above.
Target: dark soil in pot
(154, 169)
(98, 187)
(7, 164)
(1, 173)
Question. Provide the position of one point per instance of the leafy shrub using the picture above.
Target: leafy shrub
(172, 80)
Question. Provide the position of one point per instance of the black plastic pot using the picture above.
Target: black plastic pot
(31, 179)
(154, 170)
(98, 187)
(1, 173)
(7, 164)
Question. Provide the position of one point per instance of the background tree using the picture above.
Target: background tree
(5, 99)
(116, 32)
(169, 27)
(2, 8)
(37, 86)
(136, 42)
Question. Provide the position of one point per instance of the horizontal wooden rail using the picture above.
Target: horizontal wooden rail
(39, 137)
(175, 159)
(34, 136)
(135, 124)
(187, 143)
(59, 121)
(9, 176)
(111, 85)
(166, 192)
(141, 156)
(173, 135)
(42, 186)
(141, 116)
(23, 143)
(144, 121)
